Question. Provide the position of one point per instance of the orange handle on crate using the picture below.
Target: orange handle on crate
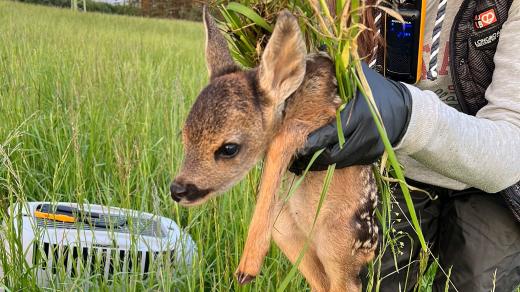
(55, 217)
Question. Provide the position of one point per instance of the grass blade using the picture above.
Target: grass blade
(249, 13)
(323, 195)
(367, 94)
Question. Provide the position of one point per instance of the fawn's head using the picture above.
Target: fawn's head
(230, 124)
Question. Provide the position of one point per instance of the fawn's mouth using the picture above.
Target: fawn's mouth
(192, 198)
(187, 203)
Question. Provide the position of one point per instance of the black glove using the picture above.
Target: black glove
(362, 142)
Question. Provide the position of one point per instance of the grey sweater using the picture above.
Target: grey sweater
(445, 147)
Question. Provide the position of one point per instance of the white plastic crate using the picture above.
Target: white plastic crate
(85, 246)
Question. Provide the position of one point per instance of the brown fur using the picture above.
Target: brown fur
(271, 110)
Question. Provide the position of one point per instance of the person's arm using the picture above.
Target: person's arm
(481, 151)
(440, 145)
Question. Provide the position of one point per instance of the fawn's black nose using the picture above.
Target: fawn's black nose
(178, 191)
(187, 192)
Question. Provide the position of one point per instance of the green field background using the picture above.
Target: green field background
(91, 109)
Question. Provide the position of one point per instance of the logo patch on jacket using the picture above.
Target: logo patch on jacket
(486, 18)
(485, 41)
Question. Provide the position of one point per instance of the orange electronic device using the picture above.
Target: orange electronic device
(404, 42)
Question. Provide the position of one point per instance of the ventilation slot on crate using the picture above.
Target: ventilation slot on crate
(92, 260)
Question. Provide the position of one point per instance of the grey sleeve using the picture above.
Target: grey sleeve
(448, 148)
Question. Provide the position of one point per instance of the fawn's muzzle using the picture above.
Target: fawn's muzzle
(178, 191)
(186, 192)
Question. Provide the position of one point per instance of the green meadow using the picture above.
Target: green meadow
(91, 109)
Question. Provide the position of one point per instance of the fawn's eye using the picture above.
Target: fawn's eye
(227, 150)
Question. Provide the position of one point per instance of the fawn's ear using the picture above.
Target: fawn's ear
(282, 67)
(218, 58)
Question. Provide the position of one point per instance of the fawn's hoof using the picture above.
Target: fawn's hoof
(244, 278)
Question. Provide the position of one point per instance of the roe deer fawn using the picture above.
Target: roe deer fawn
(270, 110)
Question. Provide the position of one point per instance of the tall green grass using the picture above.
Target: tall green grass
(91, 107)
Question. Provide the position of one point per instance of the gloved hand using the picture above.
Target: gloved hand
(362, 142)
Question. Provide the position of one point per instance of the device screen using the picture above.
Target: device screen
(402, 47)
(401, 31)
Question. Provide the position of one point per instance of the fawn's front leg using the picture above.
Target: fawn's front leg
(277, 160)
